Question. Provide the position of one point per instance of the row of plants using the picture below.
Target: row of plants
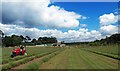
(31, 53)
(25, 60)
(105, 54)
(36, 64)
(30, 50)
(111, 49)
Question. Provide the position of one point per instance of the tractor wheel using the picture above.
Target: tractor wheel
(21, 53)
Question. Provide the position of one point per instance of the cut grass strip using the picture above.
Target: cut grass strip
(105, 54)
(75, 58)
(96, 61)
(36, 65)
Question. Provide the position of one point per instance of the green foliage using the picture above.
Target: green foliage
(16, 40)
(46, 40)
(45, 59)
(34, 65)
(13, 40)
(113, 39)
(7, 66)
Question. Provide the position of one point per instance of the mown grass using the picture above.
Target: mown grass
(30, 51)
(36, 64)
(95, 57)
(25, 60)
(109, 50)
(76, 58)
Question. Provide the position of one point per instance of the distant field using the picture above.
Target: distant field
(109, 50)
(63, 58)
(112, 49)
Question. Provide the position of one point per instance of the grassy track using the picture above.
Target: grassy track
(60, 61)
(34, 64)
(75, 58)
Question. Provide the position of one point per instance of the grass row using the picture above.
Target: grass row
(25, 60)
(36, 65)
(4, 61)
(110, 49)
(30, 50)
(30, 53)
(105, 54)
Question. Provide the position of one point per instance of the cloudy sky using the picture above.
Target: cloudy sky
(67, 21)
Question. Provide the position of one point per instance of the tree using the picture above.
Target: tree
(40, 40)
(7, 41)
(16, 40)
(34, 41)
(113, 39)
(1, 37)
(27, 38)
(21, 36)
(46, 40)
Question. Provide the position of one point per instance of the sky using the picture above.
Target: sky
(67, 21)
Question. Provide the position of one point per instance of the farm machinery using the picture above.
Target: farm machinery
(18, 51)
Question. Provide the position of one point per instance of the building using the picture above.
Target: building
(58, 44)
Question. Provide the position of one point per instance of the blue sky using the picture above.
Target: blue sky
(89, 9)
(67, 21)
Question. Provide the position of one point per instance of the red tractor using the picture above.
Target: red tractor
(18, 51)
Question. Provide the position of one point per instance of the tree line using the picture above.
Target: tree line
(16, 40)
(113, 39)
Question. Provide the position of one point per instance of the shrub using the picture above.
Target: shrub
(7, 66)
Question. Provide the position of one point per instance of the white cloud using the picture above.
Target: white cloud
(83, 25)
(25, 0)
(83, 17)
(108, 19)
(109, 30)
(69, 36)
(37, 13)
(118, 17)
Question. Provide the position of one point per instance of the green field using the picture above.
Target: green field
(71, 57)
(109, 50)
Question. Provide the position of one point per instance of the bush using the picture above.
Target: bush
(7, 66)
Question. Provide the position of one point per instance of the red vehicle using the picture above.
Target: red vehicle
(18, 51)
